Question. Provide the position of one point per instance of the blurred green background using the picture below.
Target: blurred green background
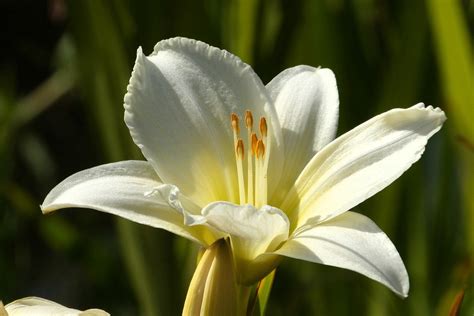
(64, 68)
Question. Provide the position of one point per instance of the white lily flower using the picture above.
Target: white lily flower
(41, 307)
(279, 186)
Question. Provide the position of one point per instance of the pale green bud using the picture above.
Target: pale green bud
(213, 288)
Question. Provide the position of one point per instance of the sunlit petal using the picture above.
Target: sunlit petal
(351, 241)
(178, 109)
(252, 232)
(307, 103)
(129, 189)
(361, 162)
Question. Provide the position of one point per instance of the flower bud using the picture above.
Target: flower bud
(213, 289)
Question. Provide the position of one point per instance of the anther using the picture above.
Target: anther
(263, 126)
(234, 119)
(260, 150)
(248, 119)
(254, 144)
(239, 149)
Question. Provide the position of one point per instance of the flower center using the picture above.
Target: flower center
(253, 189)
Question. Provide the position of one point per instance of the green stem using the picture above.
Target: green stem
(244, 293)
(135, 260)
(42, 97)
(243, 14)
(129, 236)
(264, 290)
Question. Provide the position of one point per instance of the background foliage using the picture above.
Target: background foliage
(64, 70)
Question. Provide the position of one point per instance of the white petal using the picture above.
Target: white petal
(307, 104)
(178, 109)
(41, 307)
(351, 241)
(361, 162)
(252, 231)
(129, 189)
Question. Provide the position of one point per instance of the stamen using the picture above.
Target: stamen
(257, 160)
(260, 173)
(239, 155)
(263, 173)
(248, 119)
(260, 149)
(258, 167)
(234, 119)
(254, 144)
(249, 124)
(263, 127)
(239, 149)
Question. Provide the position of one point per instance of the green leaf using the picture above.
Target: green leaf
(455, 61)
(454, 55)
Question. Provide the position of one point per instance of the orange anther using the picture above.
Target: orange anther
(254, 143)
(248, 119)
(260, 149)
(239, 148)
(234, 120)
(263, 126)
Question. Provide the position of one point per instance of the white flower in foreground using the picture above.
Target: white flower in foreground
(37, 306)
(279, 186)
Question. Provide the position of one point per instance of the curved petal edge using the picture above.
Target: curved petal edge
(307, 104)
(354, 242)
(178, 106)
(132, 190)
(362, 162)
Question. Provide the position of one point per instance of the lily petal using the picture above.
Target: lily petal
(307, 104)
(41, 307)
(351, 241)
(252, 232)
(361, 162)
(132, 190)
(178, 109)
